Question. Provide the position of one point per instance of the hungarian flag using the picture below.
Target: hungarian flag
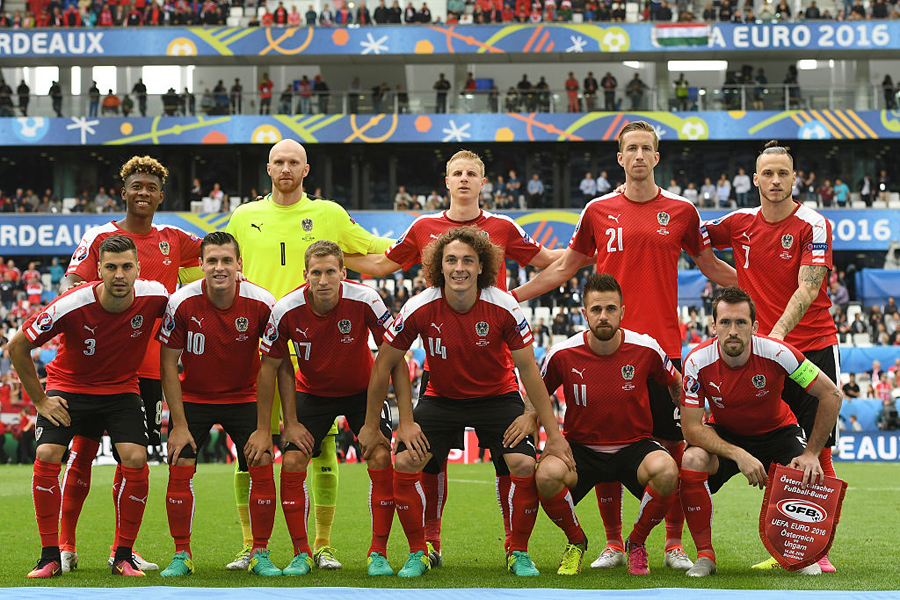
(680, 34)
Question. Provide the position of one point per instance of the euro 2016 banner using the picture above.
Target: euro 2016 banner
(797, 523)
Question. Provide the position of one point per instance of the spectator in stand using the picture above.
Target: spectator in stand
(682, 92)
(759, 90)
(866, 190)
(424, 14)
(741, 183)
(691, 193)
(265, 94)
(535, 190)
(588, 187)
(322, 92)
(851, 388)
(363, 17)
(708, 193)
(841, 193)
(409, 14)
(840, 297)
(111, 104)
(603, 184)
(812, 11)
(280, 16)
(304, 95)
(441, 86)
(858, 325)
(311, 16)
(590, 88)
(890, 93)
(674, 188)
(23, 431)
(382, 15)
(326, 17)
(723, 192)
(571, 86)
(286, 100)
(403, 200)
(609, 85)
(826, 193)
(883, 186)
(635, 92)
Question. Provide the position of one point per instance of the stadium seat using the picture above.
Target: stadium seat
(857, 204)
(892, 203)
(543, 312)
(261, 10)
(879, 204)
(233, 21)
(236, 11)
(852, 309)
(811, 203)
(861, 340)
(68, 204)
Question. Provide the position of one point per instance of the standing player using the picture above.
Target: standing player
(464, 179)
(463, 321)
(782, 252)
(274, 234)
(163, 250)
(742, 375)
(327, 321)
(214, 326)
(638, 236)
(604, 374)
(105, 328)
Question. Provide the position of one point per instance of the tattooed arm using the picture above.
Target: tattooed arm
(809, 282)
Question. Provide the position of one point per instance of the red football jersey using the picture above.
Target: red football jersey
(768, 257)
(99, 351)
(607, 402)
(468, 353)
(333, 350)
(161, 252)
(503, 231)
(639, 244)
(746, 400)
(220, 347)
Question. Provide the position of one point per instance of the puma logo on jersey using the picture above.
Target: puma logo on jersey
(198, 322)
(141, 500)
(438, 327)
(258, 227)
(580, 373)
(91, 329)
(777, 354)
(49, 490)
(718, 386)
(434, 236)
(302, 331)
(615, 218)
(746, 235)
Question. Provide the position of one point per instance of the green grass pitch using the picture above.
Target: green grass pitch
(864, 551)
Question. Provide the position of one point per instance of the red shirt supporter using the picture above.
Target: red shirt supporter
(501, 230)
(745, 400)
(650, 235)
(161, 253)
(266, 21)
(456, 342)
(193, 323)
(768, 257)
(323, 342)
(607, 403)
(95, 356)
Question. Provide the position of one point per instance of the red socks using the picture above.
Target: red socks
(116, 486)
(609, 500)
(697, 504)
(262, 505)
(76, 485)
(435, 488)
(381, 508)
(47, 499)
(295, 505)
(523, 502)
(131, 502)
(675, 516)
(825, 462)
(502, 483)
(409, 500)
(654, 507)
(180, 506)
(561, 511)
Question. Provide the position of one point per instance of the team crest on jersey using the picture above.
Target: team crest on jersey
(271, 333)
(45, 322)
(307, 225)
(759, 381)
(344, 326)
(165, 248)
(663, 219)
(38, 432)
(168, 322)
(137, 322)
(242, 323)
(482, 328)
(628, 372)
(787, 240)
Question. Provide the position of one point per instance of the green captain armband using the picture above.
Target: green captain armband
(805, 374)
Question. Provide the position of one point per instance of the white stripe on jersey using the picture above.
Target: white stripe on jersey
(183, 293)
(90, 236)
(521, 232)
(412, 305)
(83, 296)
(819, 230)
(775, 351)
(360, 292)
(413, 224)
(498, 297)
(572, 342)
(252, 291)
(647, 341)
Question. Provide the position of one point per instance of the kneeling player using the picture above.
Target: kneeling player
(742, 376)
(105, 329)
(328, 321)
(214, 326)
(471, 331)
(604, 373)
